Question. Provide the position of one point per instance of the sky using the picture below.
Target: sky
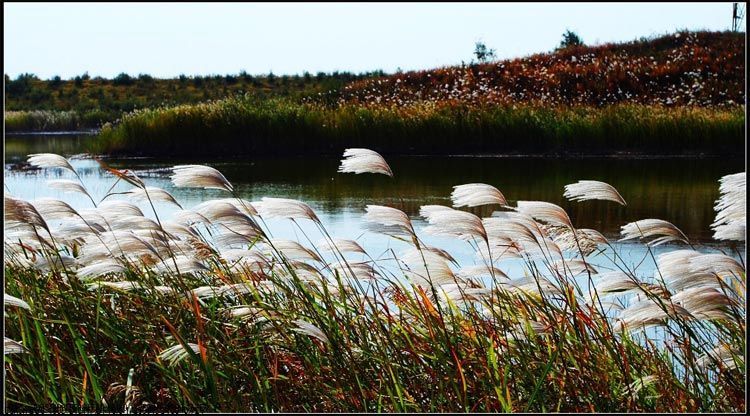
(169, 39)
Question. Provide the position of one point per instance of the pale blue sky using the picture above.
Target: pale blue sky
(168, 39)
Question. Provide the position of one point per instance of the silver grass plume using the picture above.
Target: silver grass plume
(722, 356)
(648, 313)
(446, 221)
(68, 186)
(730, 222)
(306, 328)
(340, 244)
(50, 160)
(389, 221)
(545, 212)
(364, 161)
(177, 353)
(704, 303)
(675, 268)
(199, 176)
(23, 212)
(425, 268)
(12, 347)
(476, 194)
(664, 231)
(586, 190)
(9, 300)
(153, 193)
(285, 208)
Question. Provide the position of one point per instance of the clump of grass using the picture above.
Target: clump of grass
(245, 125)
(205, 311)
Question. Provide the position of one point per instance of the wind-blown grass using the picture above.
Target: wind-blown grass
(243, 125)
(205, 311)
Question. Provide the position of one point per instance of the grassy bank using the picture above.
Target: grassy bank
(215, 315)
(44, 121)
(246, 126)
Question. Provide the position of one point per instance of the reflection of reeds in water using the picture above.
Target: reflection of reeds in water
(208, 311)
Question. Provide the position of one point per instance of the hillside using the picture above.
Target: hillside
(704, 69)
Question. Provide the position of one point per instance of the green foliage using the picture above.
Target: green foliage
(483, 53)
(570, 39)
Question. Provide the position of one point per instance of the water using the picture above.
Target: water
(681, 191)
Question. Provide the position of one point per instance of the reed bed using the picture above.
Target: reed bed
(51, 120)
(245, 125)
(112, 308)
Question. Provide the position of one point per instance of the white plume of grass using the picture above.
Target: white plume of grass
(50, 160)
(425, 268)
(285, 208)
(586, 190)
(364, 161)
(12, 347)
(9, 300)
(675, 268)
(476, 271)
(153, 193)
(389, 221)
(535, 287)
(294, 250)
(176, 353)
(587, 239)
(545, 212)
(648, 313)
(574, 267)
(184, 264)
(717, 263)
(340, 244)
(722, 356)
(200, 176)
(731, 219)
(359, 270)
(446, 221)
(306, 328)
(20, 211)
(54, 209)
(96, 269)
(114, 209)
(476, 194)
(67, 186)
(704, 303)
(664, 231)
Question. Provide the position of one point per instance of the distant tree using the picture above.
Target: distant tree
(55, 81)
(122, 79)
(183, 79)
(569, 39)
(85, 76)
(483, 53)
(271, 77)
(306, 75)
(145, 79)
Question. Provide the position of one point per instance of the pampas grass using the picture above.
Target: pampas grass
(588, 190)
(364, 161)
(204, 311)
